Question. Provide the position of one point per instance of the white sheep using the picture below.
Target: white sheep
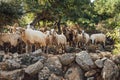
(30, 37)
(82, 38)
(59, 39)
(99, 37)
(11, 38)
(85, 37)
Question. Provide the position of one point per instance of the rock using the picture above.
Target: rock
(31, 59)
(12, 75)
(74, 73)
(92, 48)
(116, 59)
(66, 59)
(110, 70)
(44, 74)
(26, 60)
(37, 52)
(100, 62)
(99, 77)
(12, 64)
(94, 56)
(4, 66)
(91, 78)
(7, 56)
(55, 77)
(84, 60)
(90, 73)
(34, 68)
(106, 54)
(54, 65)
(70, 49)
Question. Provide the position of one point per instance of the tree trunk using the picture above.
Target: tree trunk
(58, 25)
(36, 20)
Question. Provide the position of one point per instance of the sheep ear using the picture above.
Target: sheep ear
(21, 30)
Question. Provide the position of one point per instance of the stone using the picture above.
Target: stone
(70, 49)
(110, 70)
(12, 75)
(66, 59)
(44, 74)
(74, 73)
(99, 63)
(55, 77)
(37, 52)
(34, 68)
(106, 54)
(54, 65)
(91, 78)
(94, 56)
(116, 59)
(84, 60)
(90, 73)
(12, 64)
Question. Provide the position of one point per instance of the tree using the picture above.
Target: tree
(10, 11)
(56, 10)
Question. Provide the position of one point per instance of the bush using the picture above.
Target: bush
(115, 35)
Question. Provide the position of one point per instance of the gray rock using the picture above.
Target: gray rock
(90, 73)
(74, 73)
(99, 63)
(34, 68)
(110, 70)
(94, 56)
(44, 74)
(55, 77)
(12, 64)
(37, 52)
(70, 49)
(91, 78)
(116, 59)
(54, 65)
(67, 58)
(84, 60)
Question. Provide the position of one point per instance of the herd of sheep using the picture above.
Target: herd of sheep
(25, 39)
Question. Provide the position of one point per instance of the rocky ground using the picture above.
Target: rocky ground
(80, 65)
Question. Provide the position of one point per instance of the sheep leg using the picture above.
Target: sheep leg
(27, 50)
(31, 48)
(46, 49)
(62, 48)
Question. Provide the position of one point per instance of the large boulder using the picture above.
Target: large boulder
(100, 62)
(84, 60)
(12, 64)
(67, 59)
(110, 70)
(34, 68)
(74, 73)
(54, 65)
(26, 59)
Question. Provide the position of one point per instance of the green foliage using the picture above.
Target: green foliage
(115, 35)
(10, 11)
